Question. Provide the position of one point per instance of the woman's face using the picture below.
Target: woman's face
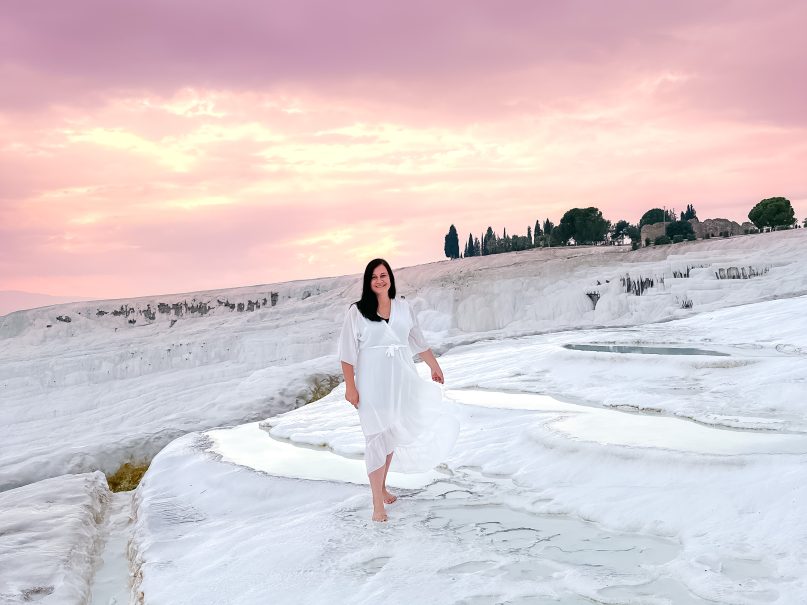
(380, 280)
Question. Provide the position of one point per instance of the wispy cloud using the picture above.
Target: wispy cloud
(214, 145)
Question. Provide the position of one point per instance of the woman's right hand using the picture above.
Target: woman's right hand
(352, 395)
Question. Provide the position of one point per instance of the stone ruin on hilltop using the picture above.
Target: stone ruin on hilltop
(711, 227)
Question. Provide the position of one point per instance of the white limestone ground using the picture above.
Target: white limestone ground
(107, 391)
(758, 382)
(579, 474)
(50, 536)
(543, 501)
(545, 520)
(111, 583)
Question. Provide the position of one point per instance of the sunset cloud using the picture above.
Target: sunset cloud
(155, 146)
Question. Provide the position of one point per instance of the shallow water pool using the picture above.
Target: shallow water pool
(644, 350)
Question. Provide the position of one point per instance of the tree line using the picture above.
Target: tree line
(588, 226)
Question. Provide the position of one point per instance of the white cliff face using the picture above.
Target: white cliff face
(106, 390)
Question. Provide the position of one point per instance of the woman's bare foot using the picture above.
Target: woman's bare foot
(389, 498)
(379, 515)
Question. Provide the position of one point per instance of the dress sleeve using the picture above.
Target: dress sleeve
(417, 342)
(349, 338)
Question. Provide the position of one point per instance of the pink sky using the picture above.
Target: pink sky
(151, 147)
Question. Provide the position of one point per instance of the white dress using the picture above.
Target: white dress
(398, 410)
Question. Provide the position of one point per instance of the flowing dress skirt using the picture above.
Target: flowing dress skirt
(401, 412)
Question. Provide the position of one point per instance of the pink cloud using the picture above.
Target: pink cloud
(82, 51)
(159, 146)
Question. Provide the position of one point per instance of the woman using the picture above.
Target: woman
(398, 411)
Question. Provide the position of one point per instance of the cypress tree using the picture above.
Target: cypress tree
(488, 241)
(452, 243)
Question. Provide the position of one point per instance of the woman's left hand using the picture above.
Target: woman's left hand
(437, 374)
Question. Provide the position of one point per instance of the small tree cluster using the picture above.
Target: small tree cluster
(682, 229)
(688, 213)
(492, 243)
(624, 229)
(472, 247)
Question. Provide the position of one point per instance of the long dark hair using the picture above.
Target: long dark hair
(368, 303)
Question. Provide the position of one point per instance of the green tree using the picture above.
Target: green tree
(550, 236)
(773, 212)
(682, 228)
(634, 233)
(452, 243)
(655, 215)
(529, 236)
(585, 225)
(518, 243)
(689, 213)
(620, 231)
(537, 232)
(469, 247)
(488, 242)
